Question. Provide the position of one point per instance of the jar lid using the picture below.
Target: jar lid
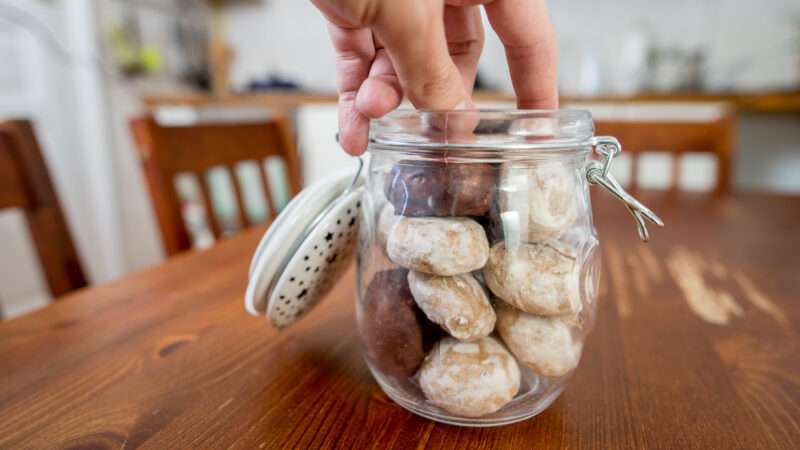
(486, 129)
(305, 249)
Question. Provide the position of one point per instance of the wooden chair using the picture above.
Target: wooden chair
(168, 151)
(678, 134)
(25, 184)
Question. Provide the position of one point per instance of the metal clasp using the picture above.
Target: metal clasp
(600, 173)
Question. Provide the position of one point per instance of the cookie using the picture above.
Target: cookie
(543, 344)
(438, 188)
(458, 304)
(386, 220)
(536, 203)
(438, 246)
(539, 279)
(390, 324)
(470, 379)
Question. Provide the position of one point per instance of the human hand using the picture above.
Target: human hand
(428, 50)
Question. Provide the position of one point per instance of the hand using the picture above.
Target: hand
(428, 50)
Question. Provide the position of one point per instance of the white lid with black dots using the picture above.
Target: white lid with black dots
(306, 249)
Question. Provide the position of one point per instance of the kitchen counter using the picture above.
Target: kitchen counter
(760, 102)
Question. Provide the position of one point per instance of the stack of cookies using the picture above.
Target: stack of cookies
(484, 287)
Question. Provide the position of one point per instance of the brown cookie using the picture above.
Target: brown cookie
(418, 188)
(439, 188)
(391, 326)
(470, 188)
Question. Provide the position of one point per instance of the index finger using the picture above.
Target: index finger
(526, 32)
(413, 35)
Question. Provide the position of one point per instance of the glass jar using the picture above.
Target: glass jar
(478, 262)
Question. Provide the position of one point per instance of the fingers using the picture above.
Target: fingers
(429, 55)
(413, 34)
(355, 51)
(381, 92)
(527, 35)
(464, 33)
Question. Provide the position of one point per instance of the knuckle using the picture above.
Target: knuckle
(351, 69)
(539, 50)
(465, 47)
(436, 84)
(348, 57)
(364, 12)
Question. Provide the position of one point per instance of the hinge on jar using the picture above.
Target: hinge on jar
(600, 173)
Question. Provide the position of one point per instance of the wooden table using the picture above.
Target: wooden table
(696, 346)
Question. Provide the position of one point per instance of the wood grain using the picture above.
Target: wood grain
(168, 358)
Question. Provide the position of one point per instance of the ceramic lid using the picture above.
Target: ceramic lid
(305, 249)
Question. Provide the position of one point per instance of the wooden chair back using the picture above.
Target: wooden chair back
(678, 136)
(25, 184)
(168, 151)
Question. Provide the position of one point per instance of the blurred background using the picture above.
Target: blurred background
(104, 81)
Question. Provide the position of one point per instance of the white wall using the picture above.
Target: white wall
(769, 153)
(287, 37)
(751, 44)
(63, 94)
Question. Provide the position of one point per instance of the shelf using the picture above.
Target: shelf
(756, 102)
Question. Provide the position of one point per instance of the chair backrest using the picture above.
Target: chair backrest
(678, 131)
(25, 183)
(169, 151)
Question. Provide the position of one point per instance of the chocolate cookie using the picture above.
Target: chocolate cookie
(470, 188)
(391, 326)
(438, 188)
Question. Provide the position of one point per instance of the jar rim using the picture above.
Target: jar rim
(484, 129)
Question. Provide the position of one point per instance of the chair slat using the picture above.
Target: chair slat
(205, 194)
(166, 151)
(12, 190)
(262, 176)
(244, 221)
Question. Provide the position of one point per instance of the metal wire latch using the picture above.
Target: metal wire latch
(598, 172)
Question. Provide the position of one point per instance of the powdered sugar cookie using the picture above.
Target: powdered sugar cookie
(470, 379)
